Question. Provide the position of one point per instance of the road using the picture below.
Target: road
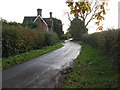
(41, 72)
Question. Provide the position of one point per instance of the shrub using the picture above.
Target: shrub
(50, 38)
(11, 37)
(17, 39)
(107, 41)
(64, 37)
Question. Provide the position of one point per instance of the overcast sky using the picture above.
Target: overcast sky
(15, 10)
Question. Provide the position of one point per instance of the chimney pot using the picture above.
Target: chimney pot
(50, 14)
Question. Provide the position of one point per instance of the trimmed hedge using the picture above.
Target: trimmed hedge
(17, 39)
(107, 41)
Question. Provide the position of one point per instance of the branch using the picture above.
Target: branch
(91, 17)
(81, 16)
(69, 17)
(92, 8)
(90, 12)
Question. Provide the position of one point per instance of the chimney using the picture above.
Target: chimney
(50, 14)
(39, 12)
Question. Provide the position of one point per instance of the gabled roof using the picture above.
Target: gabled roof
(29, 18)
(34, 19)
(41, 19)
(47, 21)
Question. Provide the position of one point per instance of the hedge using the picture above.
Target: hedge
(107, 41)
(17, 39)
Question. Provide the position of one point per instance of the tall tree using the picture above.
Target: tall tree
(57, 26)
(77, 29)
(88, 10)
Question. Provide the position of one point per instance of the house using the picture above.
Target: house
(43, 23)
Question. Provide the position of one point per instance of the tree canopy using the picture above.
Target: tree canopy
(57, 26)
(77, 29)
(88, 10)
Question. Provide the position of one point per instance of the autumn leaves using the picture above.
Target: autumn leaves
(88, 10)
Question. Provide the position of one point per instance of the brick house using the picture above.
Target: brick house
(43, 23)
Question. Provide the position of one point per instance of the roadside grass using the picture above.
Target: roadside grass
(13, 60)
(92, 70)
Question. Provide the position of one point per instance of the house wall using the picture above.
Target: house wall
(50, 29)
(42, 25)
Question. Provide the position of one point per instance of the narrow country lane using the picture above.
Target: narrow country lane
(41, 72)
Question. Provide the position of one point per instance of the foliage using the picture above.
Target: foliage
(4, 22)
(107, 41)
(57, 26)
(17, 39)
(13, 60)
(88, 10)
(66, 36)
(30, 24)
(77, 29)
(92, 70)
(50, 38)
(55, 23)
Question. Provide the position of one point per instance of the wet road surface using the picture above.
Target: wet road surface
(41, 72)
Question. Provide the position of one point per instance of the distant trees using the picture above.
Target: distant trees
(4, 22)
(77, 29)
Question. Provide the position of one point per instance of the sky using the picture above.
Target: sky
(15, 10)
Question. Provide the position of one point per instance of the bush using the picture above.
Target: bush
(64, 37)
(50, 38)
(17, 39)
(107, 41)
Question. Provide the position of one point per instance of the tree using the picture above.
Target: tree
(77, 28)
(5, 22)
(57, 26)
(88, 10)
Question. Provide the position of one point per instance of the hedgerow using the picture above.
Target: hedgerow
(107, 41)
(17, 39)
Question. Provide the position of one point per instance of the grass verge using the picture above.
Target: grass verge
(13, 60)
(91, 70)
